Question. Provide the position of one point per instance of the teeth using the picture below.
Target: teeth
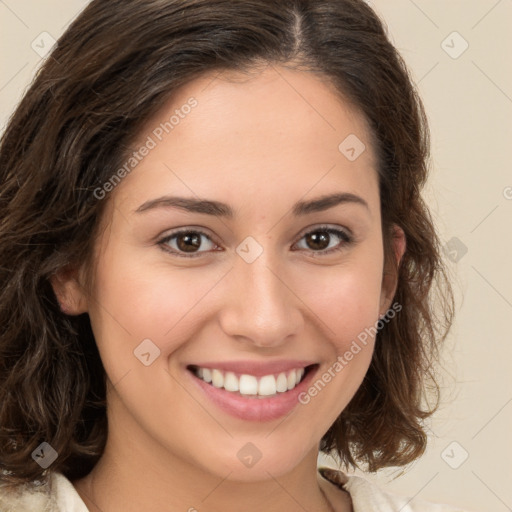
(292, 380)
(217, 378)
(248, 385)
(268, 385)
(282, 383)
(231, 382)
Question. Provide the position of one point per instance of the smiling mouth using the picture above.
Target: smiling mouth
(250, 386)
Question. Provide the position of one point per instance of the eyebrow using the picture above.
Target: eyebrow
(219, 209)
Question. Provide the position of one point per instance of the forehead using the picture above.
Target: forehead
(274, 133)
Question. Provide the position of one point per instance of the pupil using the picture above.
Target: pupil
(189, 242)
(318, 240)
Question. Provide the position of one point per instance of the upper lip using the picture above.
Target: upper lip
(258, 369)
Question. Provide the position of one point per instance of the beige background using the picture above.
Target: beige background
(469, 103)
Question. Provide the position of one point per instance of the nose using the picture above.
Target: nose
(260, 307)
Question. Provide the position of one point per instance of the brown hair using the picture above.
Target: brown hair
(117, 65)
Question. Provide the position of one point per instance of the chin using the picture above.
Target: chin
(253, 464)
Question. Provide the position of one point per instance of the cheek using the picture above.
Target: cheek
(345, 299)
(134, 301)
(347, 305)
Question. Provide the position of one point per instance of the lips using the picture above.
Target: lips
(261, 393)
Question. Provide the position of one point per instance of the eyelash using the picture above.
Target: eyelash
(343, 235)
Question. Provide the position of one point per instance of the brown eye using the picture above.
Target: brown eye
(188, 243)
(325, 240)
(318, 240)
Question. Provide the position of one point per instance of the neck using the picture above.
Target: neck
(127, 478)
(138, 472)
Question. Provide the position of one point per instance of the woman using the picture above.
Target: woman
(216, 262)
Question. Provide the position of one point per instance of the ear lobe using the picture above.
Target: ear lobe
(390, 275)
(69, 292)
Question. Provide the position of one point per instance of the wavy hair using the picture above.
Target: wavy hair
(116, 65)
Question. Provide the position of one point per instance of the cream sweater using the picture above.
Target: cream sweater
(59, 495)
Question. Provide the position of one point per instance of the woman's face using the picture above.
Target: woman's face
(278, 267)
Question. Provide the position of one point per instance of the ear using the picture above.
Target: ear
(69, 291)
(390, 274)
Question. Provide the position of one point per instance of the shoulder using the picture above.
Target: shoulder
(366, 496)
(30, 497)
(56, 494)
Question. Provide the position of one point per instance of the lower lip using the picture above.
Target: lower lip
(254, 408)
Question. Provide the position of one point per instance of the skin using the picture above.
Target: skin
(258, 143)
